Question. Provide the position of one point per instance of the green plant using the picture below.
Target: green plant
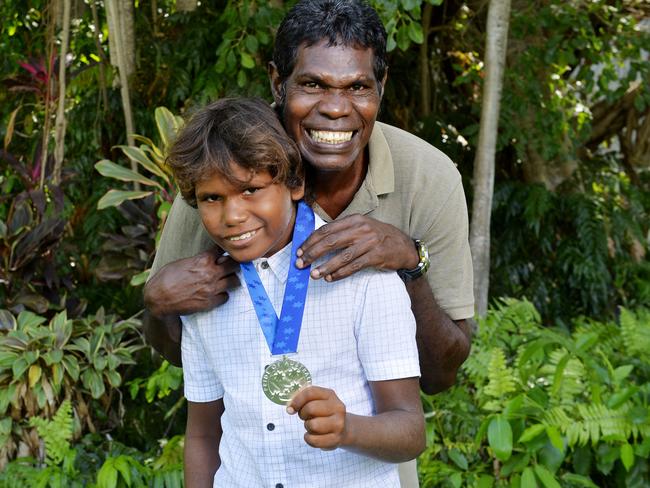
(538, 406)
(42, 363)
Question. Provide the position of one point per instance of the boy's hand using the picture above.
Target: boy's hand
(324, 415)
(364, 243)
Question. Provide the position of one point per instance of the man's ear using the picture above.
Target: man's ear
(276, 83)
(383, 83)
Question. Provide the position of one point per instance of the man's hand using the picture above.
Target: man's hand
(191, 285)
(324, 416)
(364, 242)
(183, 287)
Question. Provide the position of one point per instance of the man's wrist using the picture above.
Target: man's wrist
(410, 274)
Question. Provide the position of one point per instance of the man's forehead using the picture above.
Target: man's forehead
(325, 57)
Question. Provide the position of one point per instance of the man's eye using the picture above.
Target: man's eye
(311, 84)
(357, 87)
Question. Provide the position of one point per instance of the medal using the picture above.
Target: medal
(283, 378)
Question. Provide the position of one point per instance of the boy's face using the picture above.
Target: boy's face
(248, 221)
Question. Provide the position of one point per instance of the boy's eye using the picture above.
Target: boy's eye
(212, 198)
(250, 191)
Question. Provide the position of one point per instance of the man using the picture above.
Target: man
(378, 186)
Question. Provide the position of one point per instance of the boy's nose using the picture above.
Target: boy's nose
(234, 212)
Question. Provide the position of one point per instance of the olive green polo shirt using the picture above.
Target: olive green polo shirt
(409, 184)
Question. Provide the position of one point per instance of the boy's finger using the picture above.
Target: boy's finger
(304, 396)
(327, 442)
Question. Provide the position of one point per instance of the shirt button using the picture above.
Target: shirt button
(279, 485)
(264, 264)
(270, 426)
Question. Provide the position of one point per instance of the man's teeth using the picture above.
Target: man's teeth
(330, 137)
(245, 235)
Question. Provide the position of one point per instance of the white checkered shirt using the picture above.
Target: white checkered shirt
(355, 330)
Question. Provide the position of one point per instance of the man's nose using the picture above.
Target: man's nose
(234, 212)
(335, 104)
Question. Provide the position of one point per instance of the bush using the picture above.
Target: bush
(543, 407)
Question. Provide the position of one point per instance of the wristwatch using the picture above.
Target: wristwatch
(421, 268)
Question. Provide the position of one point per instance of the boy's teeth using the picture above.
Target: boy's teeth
(246, 235)
(330, 137)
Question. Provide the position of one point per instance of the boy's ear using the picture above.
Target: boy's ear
(298, 192)
(276, 83)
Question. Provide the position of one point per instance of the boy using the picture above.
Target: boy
(248, 373)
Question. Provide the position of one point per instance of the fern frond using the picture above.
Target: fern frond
(56, 433)
(501, 379)
(635, 331)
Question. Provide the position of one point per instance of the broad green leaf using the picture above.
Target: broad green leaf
(29, 319)
(139, 156)
(251, 43)
(485, 481)
(111, 170)
(627, 456)
(622, 372)
(546, 477)
(555, 437)
(167, 124)
(247, 60)
(107, 475)
(578, 479)
(456, 480)
(93, 382)
(241, 78)
(531, 432)
(113, 198)
(500, 438)
(457, 457)
(7, 320)
(34, 374)
(528, 478)
(122, 465)
(140, 278)
(415, 32)
(19, 367)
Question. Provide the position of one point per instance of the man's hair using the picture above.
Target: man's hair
(242, 131)
(351, 23)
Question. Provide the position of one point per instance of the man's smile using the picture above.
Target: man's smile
(330, 137)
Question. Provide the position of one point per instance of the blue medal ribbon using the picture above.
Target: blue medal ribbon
(282, 333)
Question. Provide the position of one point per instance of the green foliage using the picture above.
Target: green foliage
(56, 433)
(587, 251)
(542, 407)
(42, 363)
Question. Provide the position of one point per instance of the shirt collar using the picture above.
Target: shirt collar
(279, 262)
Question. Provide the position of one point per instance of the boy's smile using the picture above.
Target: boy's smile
(248, 220)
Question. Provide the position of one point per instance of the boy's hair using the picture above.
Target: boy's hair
(242, 131)
(350, 23)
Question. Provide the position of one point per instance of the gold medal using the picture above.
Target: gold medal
(283, 378)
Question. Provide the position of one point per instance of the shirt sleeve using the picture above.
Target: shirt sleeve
(450, 274)
(200, 381)
(386, 329)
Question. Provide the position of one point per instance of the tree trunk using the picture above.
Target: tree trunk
(113, 12)
(100, 53)
(186, 5)
(483, 184)
(425, 78)
(119, 16)
(60, 126)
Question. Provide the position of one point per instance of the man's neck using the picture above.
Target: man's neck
(334, 191)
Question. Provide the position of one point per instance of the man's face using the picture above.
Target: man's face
(331, 103)
(250, 220)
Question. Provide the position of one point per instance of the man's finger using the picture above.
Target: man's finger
(328, 238)
(345, 263)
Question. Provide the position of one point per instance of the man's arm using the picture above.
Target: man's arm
(202, 437)
(395, 434)
(443, 344)
(183, 287)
